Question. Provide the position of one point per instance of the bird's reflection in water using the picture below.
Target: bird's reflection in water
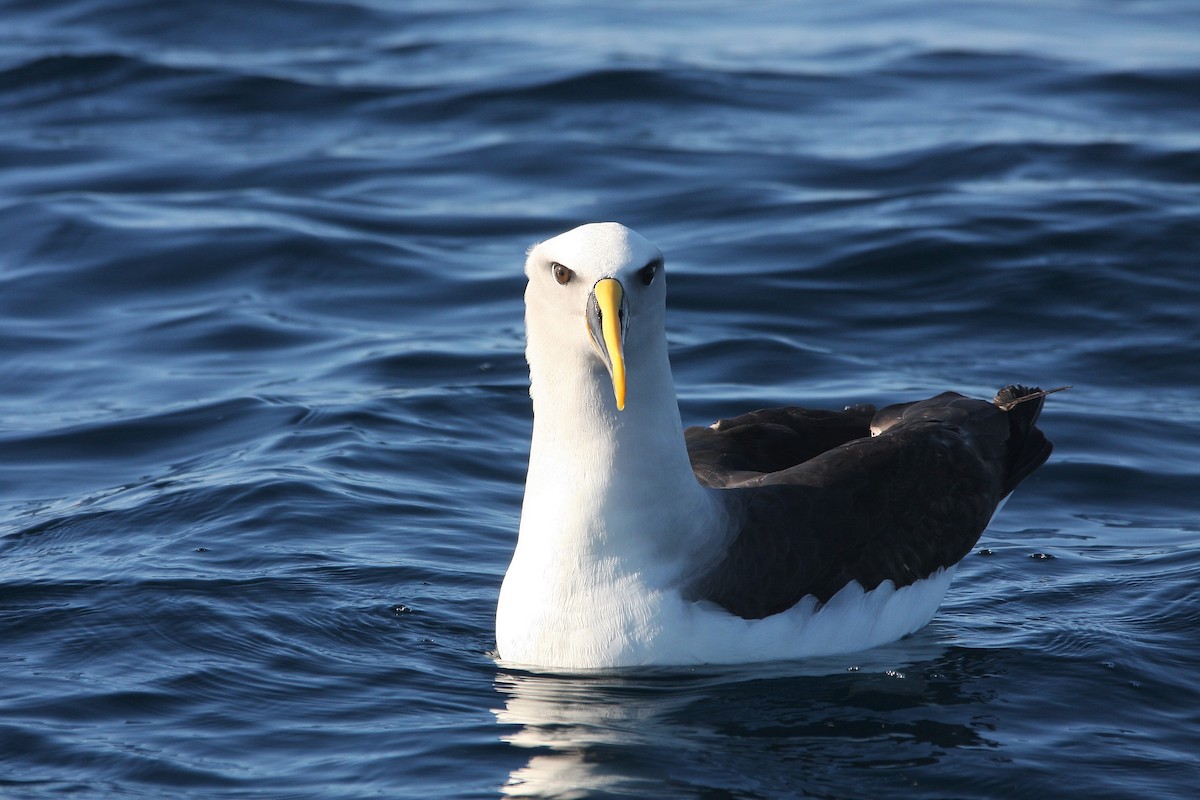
(590, 735)
(737, 730)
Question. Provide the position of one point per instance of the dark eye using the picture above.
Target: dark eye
(561, 273)
(648, 272)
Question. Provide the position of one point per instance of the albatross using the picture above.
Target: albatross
(780, 534)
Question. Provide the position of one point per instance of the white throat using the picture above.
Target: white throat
(599, 479)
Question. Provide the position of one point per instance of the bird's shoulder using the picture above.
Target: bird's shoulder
(770, 440)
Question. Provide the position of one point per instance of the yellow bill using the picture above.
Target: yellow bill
(609, 300)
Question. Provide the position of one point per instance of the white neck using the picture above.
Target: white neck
(613, 520)
(604, 482)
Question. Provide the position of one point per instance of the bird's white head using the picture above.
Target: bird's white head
(596, 296)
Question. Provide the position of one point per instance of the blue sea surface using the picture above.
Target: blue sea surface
(264, 409)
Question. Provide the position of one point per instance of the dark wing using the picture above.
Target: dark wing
(897, 506)
(770, 440)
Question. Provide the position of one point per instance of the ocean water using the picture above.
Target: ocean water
(264, 411)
